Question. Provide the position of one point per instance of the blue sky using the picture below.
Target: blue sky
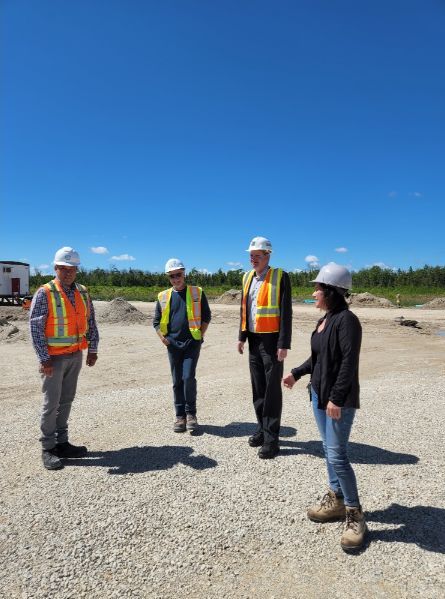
(184, 128)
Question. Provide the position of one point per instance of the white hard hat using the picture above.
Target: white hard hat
(66, 256)
(173, 264)
(335, 275)
(260, 243)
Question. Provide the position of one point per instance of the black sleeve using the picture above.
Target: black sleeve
(242, 335)
(285, 335)
(305, 368)
(349, 339)
(157, 316)
(206, 315)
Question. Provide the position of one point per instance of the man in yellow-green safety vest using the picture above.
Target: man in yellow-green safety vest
(181, 319)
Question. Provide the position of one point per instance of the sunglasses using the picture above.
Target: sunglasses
(176, 275)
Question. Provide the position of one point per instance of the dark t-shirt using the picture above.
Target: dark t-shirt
(178, 332)
(315, 348)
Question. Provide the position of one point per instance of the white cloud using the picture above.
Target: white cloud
(100, 249)
(297, 270)
(393, 194)
(204, 271)
(381, 265)
(43, 269)
(123, 258)
(235, 265)
(312, 261)
(416, 194)
(341, 250)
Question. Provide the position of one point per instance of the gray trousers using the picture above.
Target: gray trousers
(58, 394)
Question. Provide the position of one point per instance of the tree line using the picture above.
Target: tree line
(428, 276)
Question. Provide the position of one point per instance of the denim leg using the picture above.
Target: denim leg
(191, 356)
(175, 357)
(321, 419)
(337, 436)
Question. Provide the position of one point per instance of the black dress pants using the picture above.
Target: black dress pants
(266, 373)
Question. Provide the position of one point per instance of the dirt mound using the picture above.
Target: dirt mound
(121, 311)
(369, 301)
(13, 313)
(436, 304)
(9, 333)
(233, 296)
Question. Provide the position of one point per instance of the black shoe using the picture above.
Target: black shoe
(269, 451)
(50, 460)
(256, 440)
(66, 450)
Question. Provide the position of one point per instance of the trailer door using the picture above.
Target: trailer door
(15, 286)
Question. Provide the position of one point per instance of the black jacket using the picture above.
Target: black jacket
(285, 334)
(338, 360)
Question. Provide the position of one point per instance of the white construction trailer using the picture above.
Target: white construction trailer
(14, 282)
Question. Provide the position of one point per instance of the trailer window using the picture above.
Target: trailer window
(7, 269)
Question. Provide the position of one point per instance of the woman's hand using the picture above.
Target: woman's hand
(289, 381)
(333, 411)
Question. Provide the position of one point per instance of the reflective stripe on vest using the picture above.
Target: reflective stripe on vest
(267, 318)
(193, 305)
(66, 325)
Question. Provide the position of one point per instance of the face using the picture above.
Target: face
(177, 279)
(319, 298)
(66, 274)
(259, 260)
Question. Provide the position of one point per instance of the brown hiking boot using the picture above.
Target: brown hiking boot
(331, 508)
(179, 425)
(192, 423)
(355, 530)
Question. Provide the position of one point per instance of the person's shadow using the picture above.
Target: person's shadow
(238, 429)
(136, 460)
(358, 453)
(422, 525)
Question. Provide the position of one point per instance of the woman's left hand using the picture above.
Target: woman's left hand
(333, 411)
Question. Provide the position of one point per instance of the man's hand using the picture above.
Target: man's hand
(47, 369)
(333, 411)
(289, 381)
(240, 347)
(281, 354)
(91, 359)
(164, 340)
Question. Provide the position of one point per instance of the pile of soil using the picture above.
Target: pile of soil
(436, 304)
(121, 311)
(13, 313)
(369, 301)
(9, 333)
(233, 296)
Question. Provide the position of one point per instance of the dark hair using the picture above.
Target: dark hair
(334, 298)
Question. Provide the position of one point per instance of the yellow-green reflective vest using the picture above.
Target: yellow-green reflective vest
(193, 301)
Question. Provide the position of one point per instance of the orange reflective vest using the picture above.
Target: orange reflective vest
(193, 301)
(66, 325)
(267, 319)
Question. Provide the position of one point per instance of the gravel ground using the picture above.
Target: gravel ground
(155, 514)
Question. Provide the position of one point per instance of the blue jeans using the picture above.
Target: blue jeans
(183, 363)
(335, 436)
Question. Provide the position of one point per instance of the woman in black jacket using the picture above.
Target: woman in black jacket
(333, 366)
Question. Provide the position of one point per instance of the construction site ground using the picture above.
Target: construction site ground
(152, 513)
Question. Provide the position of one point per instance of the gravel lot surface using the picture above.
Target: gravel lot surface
(151, 513)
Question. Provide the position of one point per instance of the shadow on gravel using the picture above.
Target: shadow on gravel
(136, 460)
(359, 453)
(238, 429)
(421, 525)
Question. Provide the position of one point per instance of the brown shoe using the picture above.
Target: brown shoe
(353, 537)
(192, 423)
(179, 425)
(331, 508)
